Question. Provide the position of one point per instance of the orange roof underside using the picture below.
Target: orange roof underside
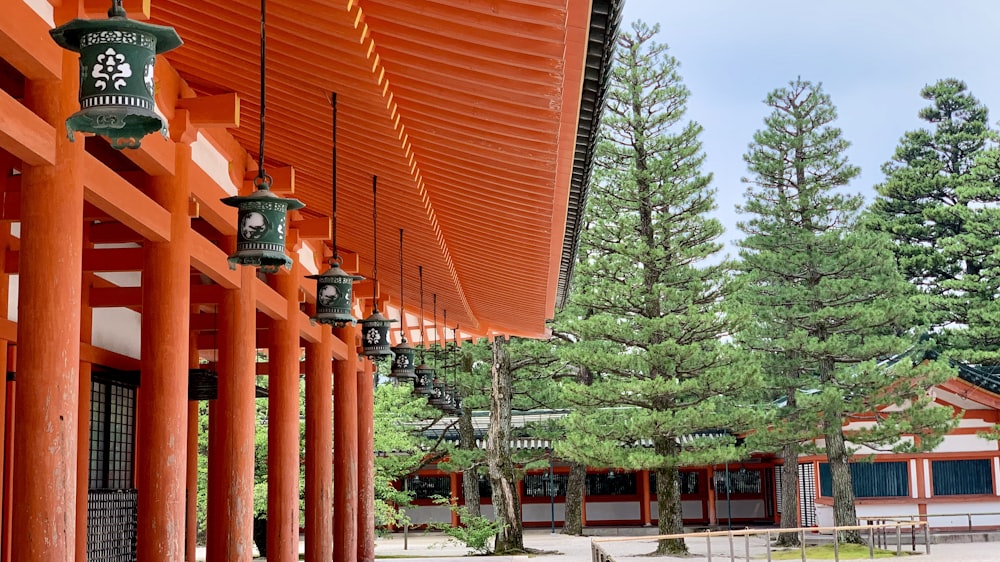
(465, 110)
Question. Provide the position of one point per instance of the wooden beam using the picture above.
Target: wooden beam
(319, 228)
(25, 43)
(308, 331)
(282, 180)
(222, 110)
(105, 358)
(106, 190)
(131, 297)
(210, 207)
(24, 134)
(98, 9)
(155, 156)
(111, 233)
(270, 302)
(111, 259)
(211, 260)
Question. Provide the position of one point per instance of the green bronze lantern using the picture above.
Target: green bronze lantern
(117, 56)
(260, 236)
(334, 287)
(260, 231)
(423, 383)
(375, 335)
(403, 362)
(334, 295)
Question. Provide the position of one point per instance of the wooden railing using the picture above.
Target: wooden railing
(600, 554)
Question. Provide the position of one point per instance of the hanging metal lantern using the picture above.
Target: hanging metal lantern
(403, 362)
(438, 397)
(375, 336)
(260, 236)
(117, 56)
(334, 296)
(424, 382)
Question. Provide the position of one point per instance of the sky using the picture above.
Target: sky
(871, 56)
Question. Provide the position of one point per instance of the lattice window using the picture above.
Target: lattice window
(619, 484)
(807, 493)
(870, 480)
(952, 478)
(537, 485)
(741, 481)
(111, 525)
(112, 435)
(689, 482)
(425, 487)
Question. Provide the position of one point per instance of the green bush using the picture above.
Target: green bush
(475, 532)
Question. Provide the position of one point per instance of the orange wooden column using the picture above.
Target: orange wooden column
(644, 498)
(162, 407)
(454, 489)
(713, 515)
(4, 492)
(48, 331)
(345, 450)
(233, 419)
(283, 425)
(319, 447)
(83, 462)
(191, 513)
(8, 473)
(366, 463)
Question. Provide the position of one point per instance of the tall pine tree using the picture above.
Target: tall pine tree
(827, 299)
(940, 204)
(652, 338)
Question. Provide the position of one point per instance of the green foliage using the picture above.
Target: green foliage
(939, 206)
(475, 532)
(827, 300)
(647, 309)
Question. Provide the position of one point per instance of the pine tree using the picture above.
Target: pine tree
(652, 338)
(827, 299)
(940, 205)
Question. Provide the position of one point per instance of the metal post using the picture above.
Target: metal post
(802, 544)
(969, 515)
(552, 494)
(899, 541)
(768, 538)
(732, 551)
(708, 539)
(871, 542)
(729, 500)
(836, 546)
(927, 538)
(746, 544)
(406, 521)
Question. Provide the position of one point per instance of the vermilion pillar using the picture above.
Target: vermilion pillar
(8, 473)
(454, 489)
(644, 498)
(161, 467)
(283, 425)
(231, 434)
(345, 450)
(191, 513)
(366, 463)
(83, 462)
(48, 330)
(319, 448)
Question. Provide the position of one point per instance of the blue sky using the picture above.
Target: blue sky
(872, 57)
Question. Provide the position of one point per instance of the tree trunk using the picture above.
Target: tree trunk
(506, 503)
(576, 484)
(668, 500)
(470, 478)
(575, 487)
(844, 512)
(789, 495)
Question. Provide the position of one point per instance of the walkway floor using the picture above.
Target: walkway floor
(423, 547)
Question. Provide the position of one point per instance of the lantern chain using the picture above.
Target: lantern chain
(375, 243)
(117, 10)
(263, 180)
(335, 259)
(420, 273)
(402, 310)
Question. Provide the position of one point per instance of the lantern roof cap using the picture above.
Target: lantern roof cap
(335, 271)
(68, 35)
(263, 193)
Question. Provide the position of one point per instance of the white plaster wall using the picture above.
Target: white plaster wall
(308, 259)
(213, 163)
(428, 513)
(974, 422)
(611, 511)
(884, 510)
(965, 443)
(964, 507)
(742, 509)
(690, 509)
(44, 9)
(536, 512)
(824, 515)
(12, 292)
(118, 330)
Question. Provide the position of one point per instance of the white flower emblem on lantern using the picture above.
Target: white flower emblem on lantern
(111, 67)
(372, 336)
(401, 361)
